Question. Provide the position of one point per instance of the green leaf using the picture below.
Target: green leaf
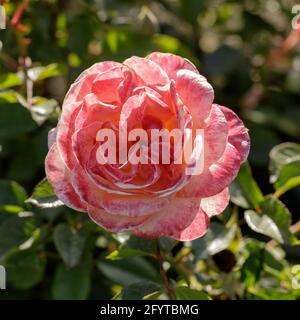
(8, 208)
(9, 96)
(11, 193)
(289, 177)
(124, 253)
(217, 239)
(185, 293)
(41, 73)
(280, 156)
(273, 221)
(69, 243)
(10, 80)
(167, 244)
(42, 109)
(133, 247)
(275, 294)
(253, 266)
(139, 290)
(274, 265)
(128, 271)
(25, 269)
(73, 283)
(12, 232)
(244, 191)
(15, 120)
(43, 196)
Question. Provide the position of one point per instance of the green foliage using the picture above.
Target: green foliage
(25, 268)
(44, 196)
(140, 290)
(69, 243)
(52, 252)
(185, 293)
(72, 283)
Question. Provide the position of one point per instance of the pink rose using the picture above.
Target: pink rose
(149, 200)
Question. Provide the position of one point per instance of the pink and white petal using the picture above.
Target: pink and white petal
(171, 220)
(148, 72)
(52, 137)
(238, 134)
(171, 63)
(216, 204)
(196, 229)
(83, 141)
(86, 188)
(215, 135)
(59, 177)
(134, 207)
(114, 223)
(214, 178)
(106, 85)
(65, 131)
(196, 93)
(84, 82)
(93, 110)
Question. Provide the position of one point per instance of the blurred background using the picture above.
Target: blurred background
(249, 52)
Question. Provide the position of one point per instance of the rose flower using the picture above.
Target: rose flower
(148, 199)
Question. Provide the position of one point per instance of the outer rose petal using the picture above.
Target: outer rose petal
(113, 86)
(196, 229)
(51, 137)
(115, 223)
(219, 175)
(238, 134)
(59, 177)
(216, 204)
(148, 72)
(174, 219)
(215, 178)
(134, 207)
(84, 82)
(171, 63)
(215, 135)
(65, 130)
(84, 140)
(94, 110)
(196, 93)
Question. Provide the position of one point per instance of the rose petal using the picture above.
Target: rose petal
(134, 207)
(59, 177)
(65, 131)
(238, 134)
(196, 93)
(215, 135)
(84, 140)
(171, 63)
(114, 223)
(148, 72)
(216, 204)
(84, 82)
(93, 110)
(216, 177)
(196, 229)
(172, 220)
(107, 85)
(52, 137)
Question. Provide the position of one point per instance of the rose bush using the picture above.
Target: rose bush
(149, 200)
